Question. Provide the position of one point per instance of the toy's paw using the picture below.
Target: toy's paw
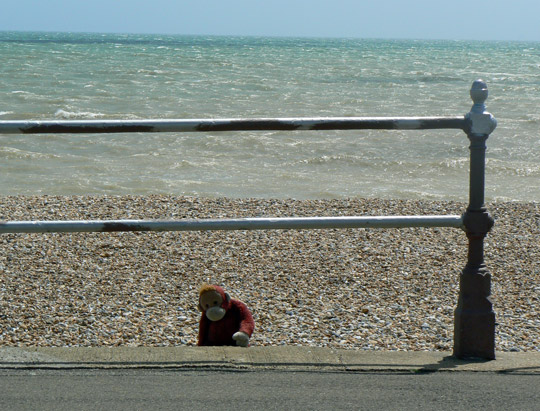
(241, 338)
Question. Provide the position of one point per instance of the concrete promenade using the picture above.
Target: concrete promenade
(259, 358)
(273, 378)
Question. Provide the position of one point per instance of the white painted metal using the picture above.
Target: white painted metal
(229, 124)
(482, 122)
(285, 223)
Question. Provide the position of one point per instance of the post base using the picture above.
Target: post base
(474, 319)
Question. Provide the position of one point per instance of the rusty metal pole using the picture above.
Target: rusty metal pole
(474, 319)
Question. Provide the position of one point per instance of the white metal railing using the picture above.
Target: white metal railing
(474, 318)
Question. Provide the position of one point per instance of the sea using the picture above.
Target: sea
(77, 76)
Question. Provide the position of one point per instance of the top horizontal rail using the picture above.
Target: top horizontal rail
(232, 124)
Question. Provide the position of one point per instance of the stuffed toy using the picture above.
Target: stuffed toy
(224, 321)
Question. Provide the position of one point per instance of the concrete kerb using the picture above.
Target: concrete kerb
(256, 358)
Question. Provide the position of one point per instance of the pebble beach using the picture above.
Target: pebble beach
(369, 289)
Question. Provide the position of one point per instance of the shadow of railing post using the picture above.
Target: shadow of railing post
(474, 319)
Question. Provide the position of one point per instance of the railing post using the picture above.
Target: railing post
(474, 320)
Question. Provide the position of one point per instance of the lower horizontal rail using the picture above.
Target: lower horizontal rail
(295, 223)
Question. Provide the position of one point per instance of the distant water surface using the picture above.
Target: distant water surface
(102, 76)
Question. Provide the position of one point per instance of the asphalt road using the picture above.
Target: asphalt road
(139, 389)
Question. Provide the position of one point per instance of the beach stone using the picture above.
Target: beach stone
(372, 289)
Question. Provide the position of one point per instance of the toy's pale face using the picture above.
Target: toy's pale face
(210, 299)
(211, 304)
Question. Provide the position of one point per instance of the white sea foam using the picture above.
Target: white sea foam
(76, 114)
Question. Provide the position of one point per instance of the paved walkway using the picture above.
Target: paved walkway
(259, 358)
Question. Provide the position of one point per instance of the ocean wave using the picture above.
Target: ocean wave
(532, 118)
(12, 153)
(154, 72)
(334, 159)
(521, 169)
(24, 95)
(459, 163)
(77, 114)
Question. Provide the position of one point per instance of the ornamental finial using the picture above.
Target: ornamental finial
(482, 122)
(479, 95)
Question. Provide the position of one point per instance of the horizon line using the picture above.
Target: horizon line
(277, 36)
